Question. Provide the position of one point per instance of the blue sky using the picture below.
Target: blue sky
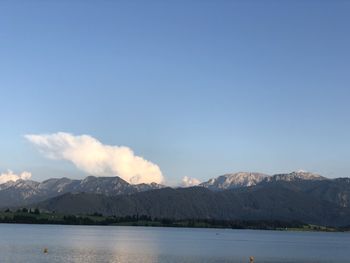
(200, 88)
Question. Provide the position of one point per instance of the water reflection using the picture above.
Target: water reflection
(134, 246)
(85, 244)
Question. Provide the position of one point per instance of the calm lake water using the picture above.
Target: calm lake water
(84, 244)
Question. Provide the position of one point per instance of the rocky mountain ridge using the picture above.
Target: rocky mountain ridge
(246, 179)
(23, 192)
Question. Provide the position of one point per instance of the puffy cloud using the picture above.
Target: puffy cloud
(188, 182)
(91, 156)
(10, 176)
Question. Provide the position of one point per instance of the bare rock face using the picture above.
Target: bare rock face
(234, 180)
(295, 176)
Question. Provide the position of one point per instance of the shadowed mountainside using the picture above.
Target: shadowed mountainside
(314, 202)
(300, 196)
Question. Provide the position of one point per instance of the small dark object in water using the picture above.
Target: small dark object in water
(46, 250)
(251, 259)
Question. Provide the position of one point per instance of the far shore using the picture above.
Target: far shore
(25, 216)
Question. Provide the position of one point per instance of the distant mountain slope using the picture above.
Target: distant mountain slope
(235, 180)
(245, 179)
(295, 176)
(299, 196)
(336, 191)
(24, 192)
(275, 201)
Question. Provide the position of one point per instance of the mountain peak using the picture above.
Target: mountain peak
(305, 173)
(234, 180)
(295, 176)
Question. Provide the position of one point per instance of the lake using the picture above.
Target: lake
(84, 244)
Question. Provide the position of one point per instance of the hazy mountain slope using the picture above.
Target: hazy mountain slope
(12, 193)
(179, 203)
(270, 201)
(280, 201)
(58, 185)
(335, 191)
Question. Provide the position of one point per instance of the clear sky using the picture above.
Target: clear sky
(199, 88)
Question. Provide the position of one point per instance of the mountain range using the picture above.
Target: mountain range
(301, 196)
(23, 192)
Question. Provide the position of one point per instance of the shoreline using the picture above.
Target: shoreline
(143, 221)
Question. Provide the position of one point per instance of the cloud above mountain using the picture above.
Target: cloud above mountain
(91, 156)
(188, 182)
(11, 176)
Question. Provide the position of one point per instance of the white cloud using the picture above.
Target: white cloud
(188, 182)
(10, 176)
(91, 156)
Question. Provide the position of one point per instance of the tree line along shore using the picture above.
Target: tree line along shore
(34, 216)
